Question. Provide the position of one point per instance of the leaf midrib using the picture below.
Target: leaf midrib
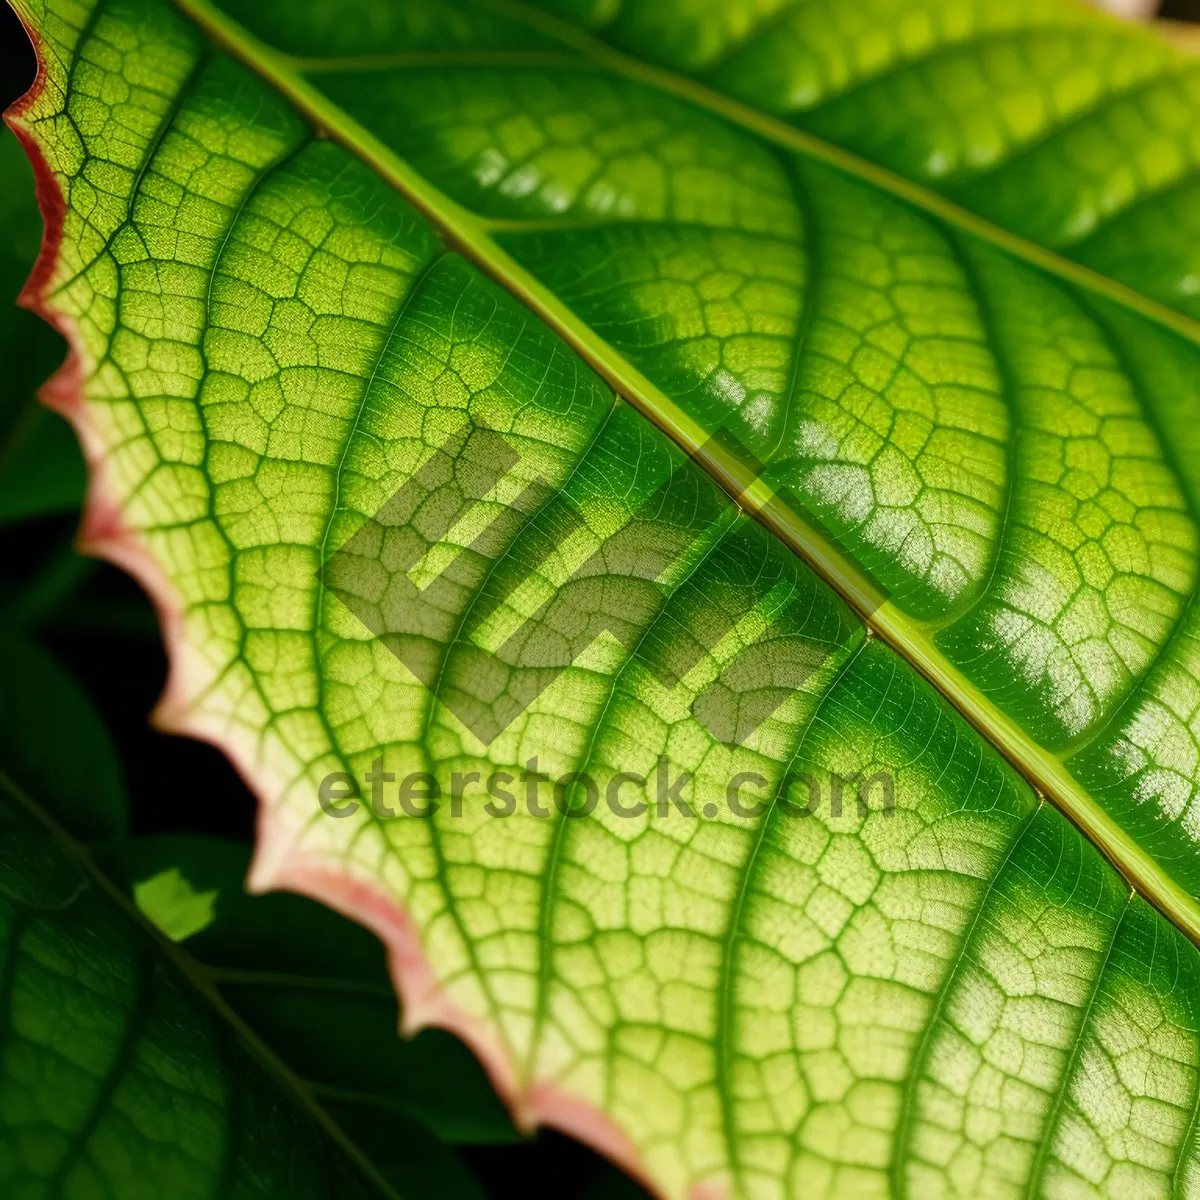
(465, 233)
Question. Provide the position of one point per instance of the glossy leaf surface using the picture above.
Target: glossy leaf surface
(879, 963)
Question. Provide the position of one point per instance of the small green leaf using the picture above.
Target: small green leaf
(173, 905)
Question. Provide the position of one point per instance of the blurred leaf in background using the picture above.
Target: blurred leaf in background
(120, 1077)
(316, 987)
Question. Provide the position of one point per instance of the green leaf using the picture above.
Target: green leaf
(41, 470)
(171, 902)
(408, 544)
(55, 746)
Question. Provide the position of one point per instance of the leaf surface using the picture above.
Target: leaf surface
(408, 544)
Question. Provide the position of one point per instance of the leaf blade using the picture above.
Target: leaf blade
(660, 1062)
(799, 525)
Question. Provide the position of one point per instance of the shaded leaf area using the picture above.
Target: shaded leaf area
(1076, 132)
(54, 745)
(118, 1079)
(317, 988)
(815, 986)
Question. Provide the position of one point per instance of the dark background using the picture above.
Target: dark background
(96, 620)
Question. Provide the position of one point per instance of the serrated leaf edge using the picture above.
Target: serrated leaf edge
(276, 866)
